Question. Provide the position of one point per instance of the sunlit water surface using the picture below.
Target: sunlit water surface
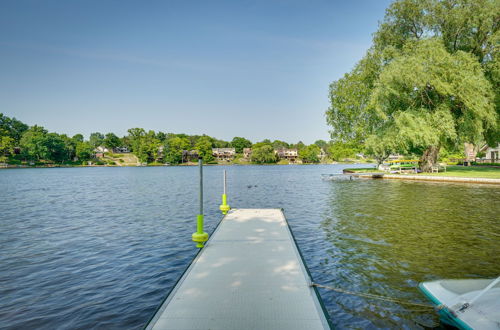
(100, 248)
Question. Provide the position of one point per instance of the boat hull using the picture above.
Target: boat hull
(449, 295)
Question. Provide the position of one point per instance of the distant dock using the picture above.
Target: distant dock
(250, 275)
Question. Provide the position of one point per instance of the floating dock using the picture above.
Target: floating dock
(249, 275)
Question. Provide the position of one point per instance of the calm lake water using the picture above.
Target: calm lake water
(100, 248)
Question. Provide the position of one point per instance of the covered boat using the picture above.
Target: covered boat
(466, 304)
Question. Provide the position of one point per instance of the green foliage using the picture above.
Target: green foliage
(84, 151)
(12, 128)
(265, 142)
(204, 147)
(37, 144)
(6, 145)
(299, 146)
(341, 150)
(348, 114)
(239, 143)
(322, 144)
(431, 97)
(277, 144)
(263, 154)
(144, 145)
(112, 141)
(77, 138)
(430, 80)
(380, 146)
(310, 153)
(56, 148)
(96, 139)
(173, 150)
(33, 146)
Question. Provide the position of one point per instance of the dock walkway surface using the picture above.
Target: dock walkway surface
(250, 275)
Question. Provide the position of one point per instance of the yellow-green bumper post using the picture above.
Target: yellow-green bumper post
(224, 207)
(200, 236)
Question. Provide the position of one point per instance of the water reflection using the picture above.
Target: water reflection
(387, 236)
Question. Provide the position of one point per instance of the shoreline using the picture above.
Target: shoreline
(163, 165)
(431, 178)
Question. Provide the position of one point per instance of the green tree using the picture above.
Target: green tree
(263, 154)
(239, 143)
(468, 31)
(340, 150)
(33, 143)
(6, 145)
(112, 141)
(265, 142)
(146, 146)
(277, 144)
(310, 154)
(56, 148)
(161, 136)
(12, 127)
(134, 138)
(204, 147)
(84, 151)
(322, 144)
(77, 138)
(381, 146)
(431, 98)
(299, 145)
(348, 115)
(173, 150)
(96, 139)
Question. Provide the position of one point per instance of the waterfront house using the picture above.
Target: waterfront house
(190, 156)
(491, 154)
(160, 153)
(321, 154)
(289, 154)
(247, 153)
(99, 151)
(224, 154)
(121, 150)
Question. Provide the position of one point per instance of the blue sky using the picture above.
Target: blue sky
(258, 69)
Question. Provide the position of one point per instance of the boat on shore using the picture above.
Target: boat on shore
(466, 303)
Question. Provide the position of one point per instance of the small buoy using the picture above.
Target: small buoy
(224, 207)
(199, 237)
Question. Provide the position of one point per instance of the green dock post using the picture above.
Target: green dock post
(224, 207)
(200, 236)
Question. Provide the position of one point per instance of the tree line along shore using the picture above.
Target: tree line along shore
(22, 145)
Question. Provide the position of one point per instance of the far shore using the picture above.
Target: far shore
(10, 166)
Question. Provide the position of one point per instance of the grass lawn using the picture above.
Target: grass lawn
(452, 170)
(469, 172)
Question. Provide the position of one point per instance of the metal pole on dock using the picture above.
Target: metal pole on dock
(224, 207)
(200, 236)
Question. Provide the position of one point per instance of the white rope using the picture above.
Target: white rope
(373, 296)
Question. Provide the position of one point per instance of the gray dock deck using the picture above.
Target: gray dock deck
(249, 275)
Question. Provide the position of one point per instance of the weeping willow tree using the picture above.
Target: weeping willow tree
(430, 79)
(431, 98)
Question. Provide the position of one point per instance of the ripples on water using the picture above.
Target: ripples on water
(101, 247)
